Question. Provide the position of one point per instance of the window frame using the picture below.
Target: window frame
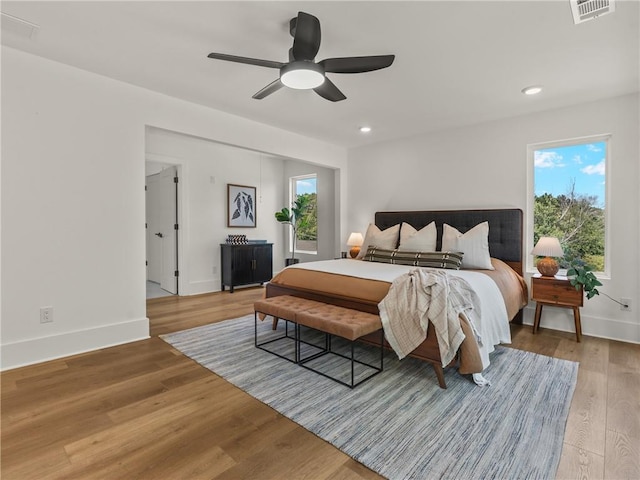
(531, 148)
(292, 195)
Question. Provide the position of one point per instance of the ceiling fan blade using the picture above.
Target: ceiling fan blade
(246, 60)
(357, 64)
(269, 89)
(329, 91)
(306, 41)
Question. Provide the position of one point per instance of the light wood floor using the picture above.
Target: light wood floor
(143, 410)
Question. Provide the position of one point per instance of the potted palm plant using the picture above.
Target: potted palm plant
(295, 218)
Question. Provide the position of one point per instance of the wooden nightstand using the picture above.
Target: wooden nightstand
(557, 292)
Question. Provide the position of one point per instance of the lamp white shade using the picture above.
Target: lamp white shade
(548, 247)
(355, 240)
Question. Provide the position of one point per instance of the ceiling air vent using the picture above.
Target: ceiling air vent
(584, 10)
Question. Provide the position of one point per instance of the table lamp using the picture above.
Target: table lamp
(548, 247)
(355, 241)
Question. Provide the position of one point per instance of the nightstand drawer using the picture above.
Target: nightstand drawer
(556, 291)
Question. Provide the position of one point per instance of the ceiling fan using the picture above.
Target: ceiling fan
(301, 72)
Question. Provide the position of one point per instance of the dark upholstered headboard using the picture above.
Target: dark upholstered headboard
(505, 228)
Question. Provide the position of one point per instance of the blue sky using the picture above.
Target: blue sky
(556, 167)
(306, 185)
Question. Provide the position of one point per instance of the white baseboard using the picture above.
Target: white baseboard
(202, 286)
(562, 319)
(36, 350)
(199, 287)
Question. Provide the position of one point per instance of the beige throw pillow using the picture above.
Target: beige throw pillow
(423, 240)
(387, 239)
(473, 243)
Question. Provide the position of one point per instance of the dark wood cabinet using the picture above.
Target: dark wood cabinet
(245, 264)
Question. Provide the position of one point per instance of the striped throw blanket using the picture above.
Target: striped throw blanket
(426, 295)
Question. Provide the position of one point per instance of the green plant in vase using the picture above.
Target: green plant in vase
(294, 217)
(581, 274)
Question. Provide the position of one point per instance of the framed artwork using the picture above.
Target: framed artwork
(241, 206)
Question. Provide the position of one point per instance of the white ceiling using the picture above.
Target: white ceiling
(457, 63)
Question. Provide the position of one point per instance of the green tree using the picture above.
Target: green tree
(308, 226)
(576, 221)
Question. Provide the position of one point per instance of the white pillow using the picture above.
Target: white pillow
(423, 240)
(385, 239)
(474, 244)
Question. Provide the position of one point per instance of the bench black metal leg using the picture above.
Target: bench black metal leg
(261, 346)
(351, 357)
(381, 350)
(352, 366)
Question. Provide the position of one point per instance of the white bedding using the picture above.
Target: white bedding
(492, 326)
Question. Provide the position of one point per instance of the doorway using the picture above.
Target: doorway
(162, 225)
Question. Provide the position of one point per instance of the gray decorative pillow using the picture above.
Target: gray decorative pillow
(451, 260)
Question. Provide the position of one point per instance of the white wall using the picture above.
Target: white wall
(207, 168)
(73, 166)
(486, 166)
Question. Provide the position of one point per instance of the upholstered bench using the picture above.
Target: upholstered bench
(340, 321)
(345, 323)
(282, 307)
(329, 319)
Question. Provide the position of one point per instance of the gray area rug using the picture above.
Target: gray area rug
(400, 423)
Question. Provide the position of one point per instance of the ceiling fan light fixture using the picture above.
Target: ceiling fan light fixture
(302, 75)
(302, 72)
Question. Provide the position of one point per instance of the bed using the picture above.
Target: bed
(365, 294)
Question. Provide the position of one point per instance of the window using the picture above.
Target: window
(569, 198)
(307, 236)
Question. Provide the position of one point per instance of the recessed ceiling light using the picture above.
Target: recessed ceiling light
(365, 129)
(533, 90)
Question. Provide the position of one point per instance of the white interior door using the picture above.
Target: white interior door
(161, 231)
(154, 247)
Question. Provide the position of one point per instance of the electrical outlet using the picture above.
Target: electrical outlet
(46, 314)
(627, 302)
(214, 270)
